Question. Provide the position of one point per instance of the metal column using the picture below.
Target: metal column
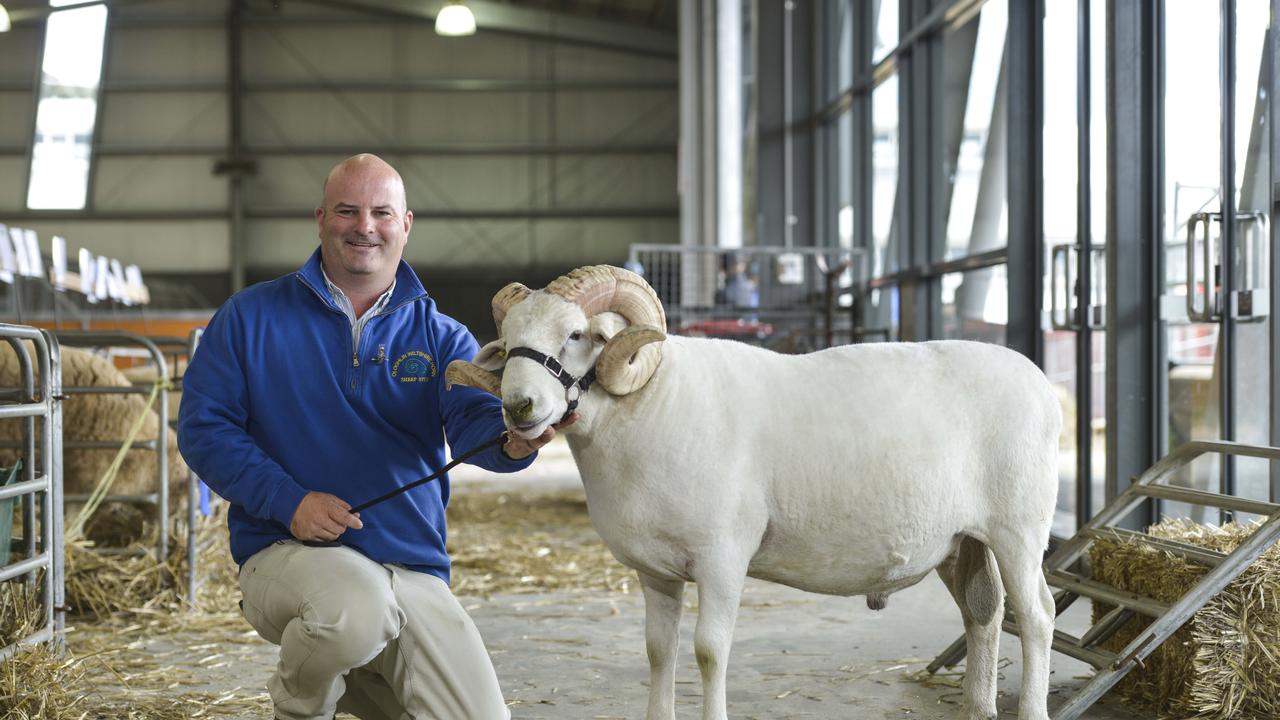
(1273, 97)
(1135, 351)
(1024, 64)
(235, 149)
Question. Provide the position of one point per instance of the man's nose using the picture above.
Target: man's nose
(365, 223)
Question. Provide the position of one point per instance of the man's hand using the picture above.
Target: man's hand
(321, 516)
(517, 448)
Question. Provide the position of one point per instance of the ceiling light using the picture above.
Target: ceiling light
(4, 19)
(455, 19)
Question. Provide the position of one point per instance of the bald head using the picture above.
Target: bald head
(364, 225)
(364, 171)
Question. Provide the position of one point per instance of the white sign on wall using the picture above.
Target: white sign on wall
(87, 275)
(34, 262)
(100, 275)
(19, 239)
(7, 267)
(59, 256)
(118, 289)
(133, 280)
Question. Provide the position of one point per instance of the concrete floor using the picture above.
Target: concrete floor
(795, 654)
(580, 656)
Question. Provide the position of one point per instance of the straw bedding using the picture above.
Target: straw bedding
(522, 543)
(1225, 662)
(123, 606)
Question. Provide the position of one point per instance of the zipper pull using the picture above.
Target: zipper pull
(355, 360)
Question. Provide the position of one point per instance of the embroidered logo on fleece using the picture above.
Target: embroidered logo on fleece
(414, 366)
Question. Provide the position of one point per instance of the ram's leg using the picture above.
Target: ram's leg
(720, 583)
(662, 608)
(974, 582)
(1019, 557)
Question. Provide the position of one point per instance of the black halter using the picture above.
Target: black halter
(553, 366)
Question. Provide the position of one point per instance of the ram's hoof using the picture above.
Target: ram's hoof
(877, 601)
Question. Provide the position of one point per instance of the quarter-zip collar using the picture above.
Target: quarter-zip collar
(344, 304)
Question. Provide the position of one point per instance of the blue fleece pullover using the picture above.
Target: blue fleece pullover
(276, 402)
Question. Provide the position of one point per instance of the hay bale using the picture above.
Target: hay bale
(1223, 663)
(99, 417)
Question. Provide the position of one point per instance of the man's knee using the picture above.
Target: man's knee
(352, 628)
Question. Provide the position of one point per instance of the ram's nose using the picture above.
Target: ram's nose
(519, 409)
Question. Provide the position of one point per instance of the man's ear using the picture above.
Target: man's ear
(604, 326)
(492, 357)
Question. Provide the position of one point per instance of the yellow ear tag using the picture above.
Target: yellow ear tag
(502, 354)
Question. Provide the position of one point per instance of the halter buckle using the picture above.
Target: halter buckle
(553, 366)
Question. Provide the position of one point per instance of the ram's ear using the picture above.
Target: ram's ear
(604, 326)
(492, 357)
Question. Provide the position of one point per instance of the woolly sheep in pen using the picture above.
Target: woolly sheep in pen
(851, 471)
(98, 417)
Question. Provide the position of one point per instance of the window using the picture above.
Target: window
(886, 19)
(974, 113)
(884, 182)
(67, 108)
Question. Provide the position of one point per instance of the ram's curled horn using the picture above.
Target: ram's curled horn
(461, 372)
(630, 359)
(632, 356)
(600, 288)
(504, 299)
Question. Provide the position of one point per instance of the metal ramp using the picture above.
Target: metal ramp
(1068, 586)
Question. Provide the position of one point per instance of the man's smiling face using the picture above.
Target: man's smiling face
(363, 223)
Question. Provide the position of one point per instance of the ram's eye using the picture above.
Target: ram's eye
(575, 336)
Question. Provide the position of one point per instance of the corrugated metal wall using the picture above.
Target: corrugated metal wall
(519, 153)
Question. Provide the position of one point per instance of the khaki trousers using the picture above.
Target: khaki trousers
(377, 641)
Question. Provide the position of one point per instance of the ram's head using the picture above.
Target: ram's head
(599, 316)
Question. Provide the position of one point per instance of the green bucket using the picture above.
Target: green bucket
(10, 476)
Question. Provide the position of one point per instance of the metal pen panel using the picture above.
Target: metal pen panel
(25, 410)
(49, 482)
(22, 567)
(29, 439)
(53, 466)
(25, 488)
(91, 338)
(762, 294)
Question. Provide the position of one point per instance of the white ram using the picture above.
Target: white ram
(851, 471)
